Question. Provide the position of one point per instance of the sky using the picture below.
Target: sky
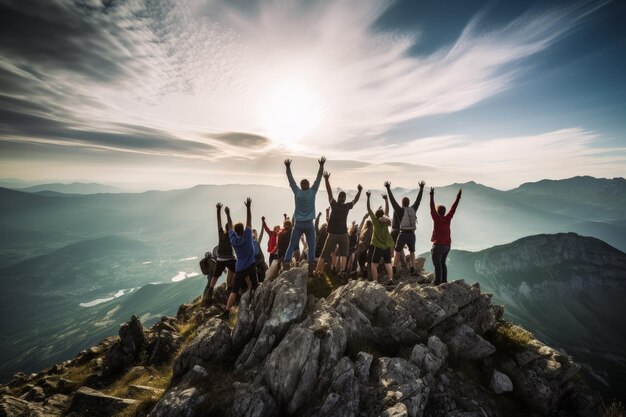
(169, 94)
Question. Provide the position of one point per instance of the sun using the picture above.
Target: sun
(291, 111)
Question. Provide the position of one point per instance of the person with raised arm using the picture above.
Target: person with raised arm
(381, 241)
(225, 259)
(404, 224)
(365, 243)
(272, 243)
(441, 235)
(242, 242)
(337, 228)
(304, 214)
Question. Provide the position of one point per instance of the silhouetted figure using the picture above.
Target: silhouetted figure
(243, 244)
(441, 235)
(259, 257)
(404, 224)
(366, 230)
(225, 258)
(381, 241)
(337, 228)
(304, 214)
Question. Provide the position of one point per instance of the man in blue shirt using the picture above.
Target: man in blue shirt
(242, 243)
(304, 215)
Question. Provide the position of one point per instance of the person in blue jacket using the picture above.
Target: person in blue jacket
(304, 215)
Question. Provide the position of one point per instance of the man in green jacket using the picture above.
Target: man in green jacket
(381, 241)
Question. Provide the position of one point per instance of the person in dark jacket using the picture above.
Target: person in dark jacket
(441, 236)
(225, 259)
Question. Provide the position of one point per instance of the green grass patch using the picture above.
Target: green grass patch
(509, 337)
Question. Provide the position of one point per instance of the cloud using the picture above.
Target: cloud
(242, 139)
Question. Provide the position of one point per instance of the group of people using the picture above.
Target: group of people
(335, 244)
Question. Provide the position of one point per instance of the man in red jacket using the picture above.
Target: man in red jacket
(441, 236)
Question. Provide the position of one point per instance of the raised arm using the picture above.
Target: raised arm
(327, 215)
(329, 190)
(369, 209)
(292, 182)
(229, 221)
(416, 204)
(219, 219)
(358, 194)
(363, 222)
(317, 223)
(261, 235)
(248, 203)
(455, 204)
(394, 203)
(320, 171)
(267, 229)
(433, 211)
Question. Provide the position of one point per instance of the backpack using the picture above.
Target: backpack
(409, 219)
(209, 263)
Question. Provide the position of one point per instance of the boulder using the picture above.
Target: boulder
(253, 401)
(500, 383)
(163, 346)
(183, 399)
(362, 366)
(398, 410)
(398, 381)
(16, 407)
(263, 321)
(342, 399)
(464, 343)
(291, 371)
(437, 347)
(211, 344)
(132, 336)
(91, 403)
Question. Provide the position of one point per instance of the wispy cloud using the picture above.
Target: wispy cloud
(186, 79)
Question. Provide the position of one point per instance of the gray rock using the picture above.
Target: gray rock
(182, 399)
(91, 403)
(343, 394)
(132, 336)
(437, 347)
(35, 394)
(398, 410)
(432, 364)
(211, 344)
(290, 372)
(399, 382)
(16, 407)
(253, 401)
(500, 383)
(362, 366)
(276, 305)
(164, 345)
(463, 342)
(418, 354)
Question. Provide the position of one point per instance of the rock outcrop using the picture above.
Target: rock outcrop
(364, 350)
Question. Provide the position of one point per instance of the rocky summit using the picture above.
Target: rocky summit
(309, 347)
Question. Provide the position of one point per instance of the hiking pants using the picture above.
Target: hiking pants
(302, 227)
(439, 253)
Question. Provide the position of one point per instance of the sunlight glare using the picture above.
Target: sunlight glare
(291, 111)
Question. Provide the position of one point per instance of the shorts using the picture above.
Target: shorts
(240, 278)
(334, 240)
(406, 238)
(394, 234)
(378, 253)
(222, 265)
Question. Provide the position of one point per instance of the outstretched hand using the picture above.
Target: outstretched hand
(387, 184)
(319, 214)
(326, 174)
(422, 184)
(432, 191)
(248, 202)
(359, 188)
(287, 162)
(285, 216)
(263, 219)
(322, 160)
(460, 192)
(384, 196)
(219, 206)
(368, 194)
(227, 210)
